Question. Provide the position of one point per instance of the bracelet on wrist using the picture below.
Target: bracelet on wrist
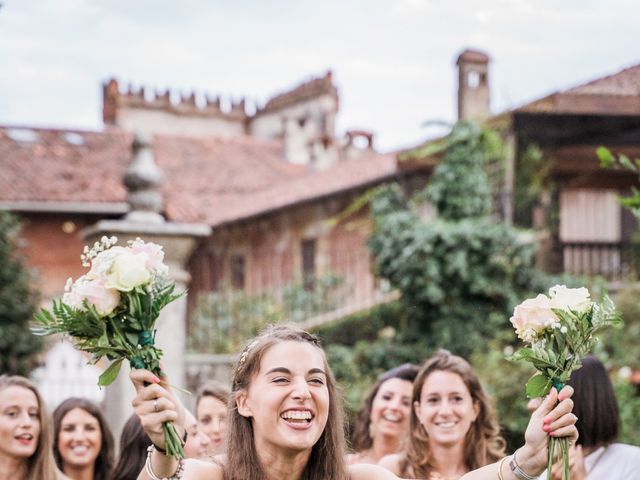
(517, 471)
(500, 477)
(177, 475)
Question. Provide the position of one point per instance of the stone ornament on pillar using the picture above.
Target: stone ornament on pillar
(143, 179)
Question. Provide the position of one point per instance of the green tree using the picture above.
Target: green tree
(622, 162)
(18, 303)
(461, 273)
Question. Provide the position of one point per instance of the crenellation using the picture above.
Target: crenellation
(302, 117)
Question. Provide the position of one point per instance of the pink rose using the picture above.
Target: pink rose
(532, 317)
(105, 300)
(154, 255)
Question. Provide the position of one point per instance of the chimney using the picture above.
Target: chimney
(473, 85)
(110, 95)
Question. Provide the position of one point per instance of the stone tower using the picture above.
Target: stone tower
(473, 85)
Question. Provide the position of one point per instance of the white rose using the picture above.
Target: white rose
(127, 272)
(532, 317)
(563, 298)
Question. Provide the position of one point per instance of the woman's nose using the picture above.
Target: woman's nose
(216, 425)
(301, 390)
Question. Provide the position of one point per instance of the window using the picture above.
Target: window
(308, 263)
(237, 271)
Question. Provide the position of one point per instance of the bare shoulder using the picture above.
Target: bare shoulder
(364, 471)
(199, 470)
(392, 462)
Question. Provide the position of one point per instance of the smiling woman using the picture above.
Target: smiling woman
(25, 433)
(83, 443)
(383, 421)
(287, 420)
(453, 426)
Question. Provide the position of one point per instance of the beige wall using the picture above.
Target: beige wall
(162, 122)
(590, 215)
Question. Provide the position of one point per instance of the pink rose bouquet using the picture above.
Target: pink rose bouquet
(559, 330)
(111, 311)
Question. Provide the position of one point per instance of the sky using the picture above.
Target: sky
(393, 60)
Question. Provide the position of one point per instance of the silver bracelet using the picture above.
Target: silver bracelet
(147, 467)
(516, 470)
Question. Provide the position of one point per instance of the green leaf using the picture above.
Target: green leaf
(627, 163)
(538, 386)
(605, 156)
(110, 374)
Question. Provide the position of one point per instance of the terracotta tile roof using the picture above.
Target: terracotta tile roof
(625, 82)
(361, 172)
(311, 89)
(618, 93)
(211, 181)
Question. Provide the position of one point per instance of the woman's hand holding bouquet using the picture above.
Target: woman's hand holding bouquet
(559, 330)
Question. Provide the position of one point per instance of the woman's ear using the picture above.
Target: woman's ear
(476, 410)
(241, 404)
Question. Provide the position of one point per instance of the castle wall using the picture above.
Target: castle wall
(162, 122)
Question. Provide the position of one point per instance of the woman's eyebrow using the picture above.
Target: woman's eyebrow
(288, 372)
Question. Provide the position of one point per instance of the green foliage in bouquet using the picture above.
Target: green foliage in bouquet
(127, 333)
(111, 311)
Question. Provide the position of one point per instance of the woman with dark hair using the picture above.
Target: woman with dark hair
(596, 456)
(211, 414)
(26, 438)
(287, 420)
(383, 421)
(453, 426)
(134, 442)
(83, 443)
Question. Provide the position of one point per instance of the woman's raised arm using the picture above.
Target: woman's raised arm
(551, 418)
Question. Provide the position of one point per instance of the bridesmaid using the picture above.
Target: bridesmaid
(26, 437)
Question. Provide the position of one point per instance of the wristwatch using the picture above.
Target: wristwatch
(517, 471)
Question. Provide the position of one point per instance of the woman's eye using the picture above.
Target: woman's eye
(387, 397)
(317, 381)
(280, 380)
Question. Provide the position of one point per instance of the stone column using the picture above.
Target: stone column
(178, 240)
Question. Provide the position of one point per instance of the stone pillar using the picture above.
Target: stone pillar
(178, 240)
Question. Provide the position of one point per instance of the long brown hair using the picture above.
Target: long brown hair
(326, 460)
(482, 444)
(40, 465)
(133, 450)
(361, 439)
(104, 460)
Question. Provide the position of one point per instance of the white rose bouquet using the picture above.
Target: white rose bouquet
(559, 331)
(111, 311)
